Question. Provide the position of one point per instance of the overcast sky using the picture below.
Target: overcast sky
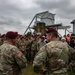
(17, 14)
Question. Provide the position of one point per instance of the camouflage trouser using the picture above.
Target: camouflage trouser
(54, 74)
(11, 73)
(33, 53)
(60, 72)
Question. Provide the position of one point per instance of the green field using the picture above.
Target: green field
(29, 71)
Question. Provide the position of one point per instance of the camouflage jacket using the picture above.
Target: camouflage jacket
(11, 59)
(57, 54)
(40, 44)
(34, 45)
(1, 41)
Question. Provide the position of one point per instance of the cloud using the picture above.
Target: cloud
(17, 14)
(62, 8)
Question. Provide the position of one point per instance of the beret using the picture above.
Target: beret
(51, 30)
(11, 35)
(27, 36)
(42, 37)
(34, 36)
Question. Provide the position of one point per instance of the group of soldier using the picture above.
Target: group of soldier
(29, 45)
(46, 53)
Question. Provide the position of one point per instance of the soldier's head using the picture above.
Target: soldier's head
(51, 33)
(63, 39)
(42, 38)
(10, 35)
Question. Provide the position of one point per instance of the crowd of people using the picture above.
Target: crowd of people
(45, 52)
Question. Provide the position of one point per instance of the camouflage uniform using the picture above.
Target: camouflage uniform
(40, 44)
(11, 59)
(33, 48)
(57, 55)
(28, 49)
(22, 46)
(1, 41)
(17, 42)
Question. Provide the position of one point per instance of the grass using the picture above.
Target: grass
(29, 71)
(71, 73)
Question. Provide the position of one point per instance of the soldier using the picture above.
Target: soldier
(55, 56)
(41, 42)
(28, 48)
(33, 47)
(21, 44)
(11, 58)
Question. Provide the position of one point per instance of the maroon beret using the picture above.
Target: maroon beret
(35, 36)
(51, 30)
(42, 37)
(11, 34)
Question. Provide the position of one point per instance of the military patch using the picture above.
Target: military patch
(19, 54)
(23, 56)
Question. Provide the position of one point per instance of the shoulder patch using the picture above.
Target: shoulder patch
(19, 54)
